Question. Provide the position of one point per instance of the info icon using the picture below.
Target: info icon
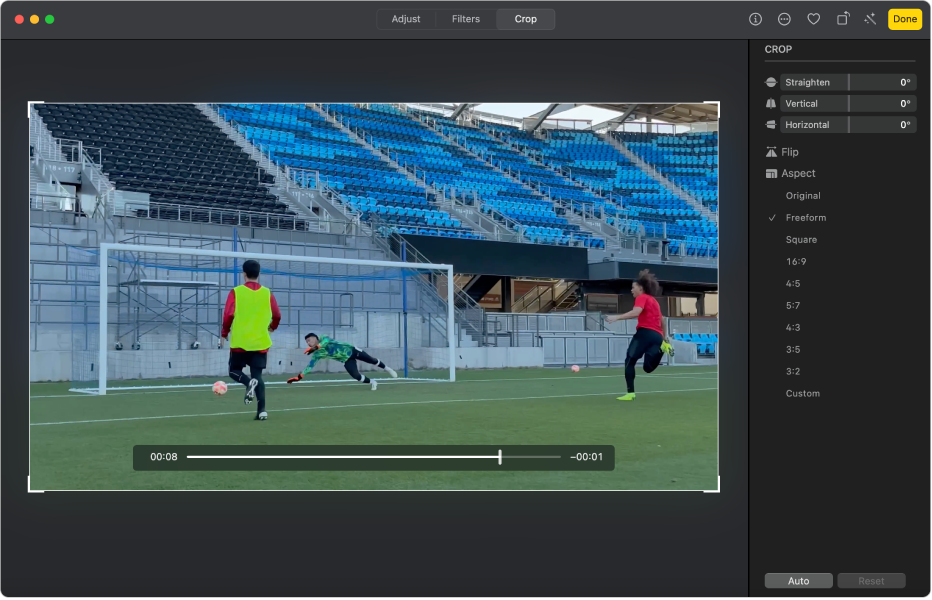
(755, 19)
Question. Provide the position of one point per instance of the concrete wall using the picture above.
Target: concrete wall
(50, 365)
(127, 364)
(64, 314)
(499, 358)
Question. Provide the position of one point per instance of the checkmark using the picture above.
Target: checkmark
(772, 218)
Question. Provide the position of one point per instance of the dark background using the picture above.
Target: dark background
(841, 482)
(372, 543)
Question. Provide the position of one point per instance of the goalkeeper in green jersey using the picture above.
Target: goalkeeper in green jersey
(324, 348)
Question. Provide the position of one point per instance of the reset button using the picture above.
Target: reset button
(869, 581)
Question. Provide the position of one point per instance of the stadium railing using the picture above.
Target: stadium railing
(469, 315)
(542, 297)
(599, 350)
(470, 212)
(45, 148)
(694, 325)
(223, 216)
(525, 329)
(505, 229)
(58, 202)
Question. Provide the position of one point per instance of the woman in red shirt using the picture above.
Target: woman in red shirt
(650, 339)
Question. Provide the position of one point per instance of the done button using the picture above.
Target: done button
(905, 18)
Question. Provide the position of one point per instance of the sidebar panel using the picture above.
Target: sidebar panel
(839, 224)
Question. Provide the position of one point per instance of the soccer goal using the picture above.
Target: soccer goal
(156, 317)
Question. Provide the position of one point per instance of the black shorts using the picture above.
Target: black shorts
(251, 358)
(645, 341)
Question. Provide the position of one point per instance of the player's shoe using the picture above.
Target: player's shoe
(262, 416)
(251, 391)
(391, 372)
(628, 396)
(667, 348)
(375, 385)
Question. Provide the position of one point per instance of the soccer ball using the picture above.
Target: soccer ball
(220, 388)
(575, 368)
(195, 345)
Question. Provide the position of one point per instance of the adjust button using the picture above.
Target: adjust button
(790, 581)
(869, 581)
(405, 19)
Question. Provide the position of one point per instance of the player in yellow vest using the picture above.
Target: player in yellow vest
(250, 315)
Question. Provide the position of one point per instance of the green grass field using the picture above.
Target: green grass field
(664, 440)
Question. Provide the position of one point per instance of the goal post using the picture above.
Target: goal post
(160, 315)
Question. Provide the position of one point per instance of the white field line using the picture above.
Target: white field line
(372, 404)
(399, 381)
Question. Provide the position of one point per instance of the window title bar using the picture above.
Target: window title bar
(274, 20)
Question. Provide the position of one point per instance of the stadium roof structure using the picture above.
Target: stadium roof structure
(674, 113)
(671, 113)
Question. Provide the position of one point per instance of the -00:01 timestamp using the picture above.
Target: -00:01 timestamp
(156, 456)
(587, 456)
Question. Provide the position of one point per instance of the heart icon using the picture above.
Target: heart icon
(813, 18)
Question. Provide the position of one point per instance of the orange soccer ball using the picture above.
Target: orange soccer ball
(220, 388)
(575, 368)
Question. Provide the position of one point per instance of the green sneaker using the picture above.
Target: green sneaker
(628, 396)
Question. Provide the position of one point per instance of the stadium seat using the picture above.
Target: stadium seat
(630, 197)
(440, 158)
(312, 147)
(177, 155)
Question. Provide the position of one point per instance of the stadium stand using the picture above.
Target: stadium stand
(453, 168)
(544, 185)
(305, 141)
(196, 157)
(171, 152)
(565, 194)
(631, 195)
(705, 342)
(690, 160)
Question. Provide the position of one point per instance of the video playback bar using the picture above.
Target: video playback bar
(373, 458)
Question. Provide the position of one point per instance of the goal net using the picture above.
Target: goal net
(155, 316)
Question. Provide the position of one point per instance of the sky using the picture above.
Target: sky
(596, 115)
